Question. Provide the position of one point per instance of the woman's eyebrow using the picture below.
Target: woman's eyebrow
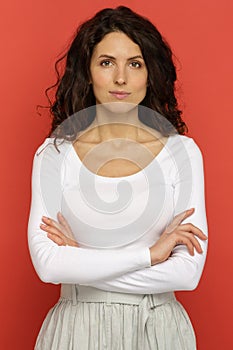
(113, 58)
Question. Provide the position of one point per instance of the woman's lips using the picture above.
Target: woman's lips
(120, 95)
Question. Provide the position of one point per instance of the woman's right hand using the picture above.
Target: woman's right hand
(176, 234)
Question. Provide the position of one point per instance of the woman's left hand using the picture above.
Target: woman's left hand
(59, 232)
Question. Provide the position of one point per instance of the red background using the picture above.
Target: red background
(33, 33)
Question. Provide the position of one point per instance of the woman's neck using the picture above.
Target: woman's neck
(117, 120)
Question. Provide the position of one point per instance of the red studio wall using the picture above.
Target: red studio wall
(32, 35)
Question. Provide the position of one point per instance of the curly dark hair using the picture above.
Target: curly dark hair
(74, 93)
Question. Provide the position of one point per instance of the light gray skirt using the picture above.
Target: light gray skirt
(87, 318)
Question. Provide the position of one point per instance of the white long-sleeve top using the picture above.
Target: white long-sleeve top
(115, 220)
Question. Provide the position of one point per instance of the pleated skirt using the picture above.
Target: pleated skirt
(85, 318)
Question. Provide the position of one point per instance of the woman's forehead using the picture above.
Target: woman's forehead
(118, 43)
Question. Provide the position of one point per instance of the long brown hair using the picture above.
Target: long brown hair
(75, 94)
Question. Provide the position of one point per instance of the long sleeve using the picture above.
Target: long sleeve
(181, 271)
(64, 264)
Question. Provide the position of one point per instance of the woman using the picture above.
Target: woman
(119, 258)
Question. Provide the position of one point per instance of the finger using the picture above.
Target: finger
(52, 230)
(195, 230)
(56, 239)
(62, 220)
(183, 215)
(185, 241)
(50, 222)
(64, 223)
(72, 243)
(193, 241)
(178, 219)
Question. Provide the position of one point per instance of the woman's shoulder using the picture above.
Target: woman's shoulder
(184, 141)
(52, 147)
(50, 156)
(185, 150)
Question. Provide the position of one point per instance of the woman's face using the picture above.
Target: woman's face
(118, 71)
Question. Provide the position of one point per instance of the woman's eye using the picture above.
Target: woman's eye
(105, 63)
(136, 64)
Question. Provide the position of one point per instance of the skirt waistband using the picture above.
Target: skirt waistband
(77, 293)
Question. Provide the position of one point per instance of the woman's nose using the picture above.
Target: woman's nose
(120, 76)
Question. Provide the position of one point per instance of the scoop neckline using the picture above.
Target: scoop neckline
(118, 178)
